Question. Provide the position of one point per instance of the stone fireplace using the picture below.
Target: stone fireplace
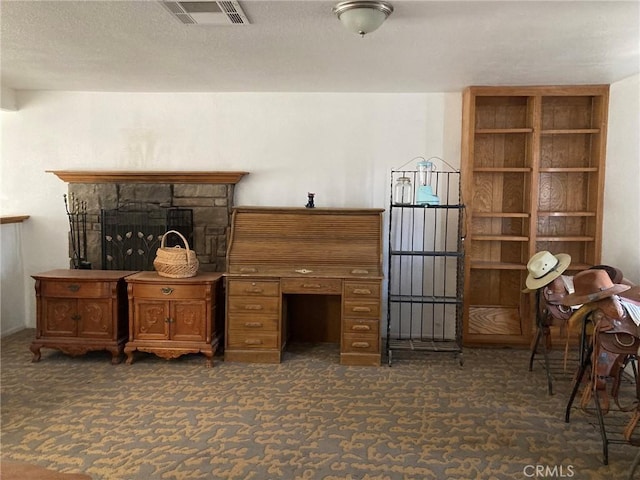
(209, 195)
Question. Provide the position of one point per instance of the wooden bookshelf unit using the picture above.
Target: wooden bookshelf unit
(533, 179)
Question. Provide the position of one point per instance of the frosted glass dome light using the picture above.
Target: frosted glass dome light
(362, 17)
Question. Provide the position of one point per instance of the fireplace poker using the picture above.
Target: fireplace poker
(76, 221)
(83, 257)
(71, 227)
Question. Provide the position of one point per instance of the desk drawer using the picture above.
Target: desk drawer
(254, 305)
(326, 286)
(357, 343)
(169, 291)
(253, 323)
(257, 340)
(361, 309)
(249, 287)
(361, 326)
(75, 289)
(358, 290)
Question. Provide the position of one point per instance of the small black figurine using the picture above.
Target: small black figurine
(310, 203)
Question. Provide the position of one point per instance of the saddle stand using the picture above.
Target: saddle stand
(613, 346)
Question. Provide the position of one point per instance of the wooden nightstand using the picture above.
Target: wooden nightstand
(81, 310)
(171, 317)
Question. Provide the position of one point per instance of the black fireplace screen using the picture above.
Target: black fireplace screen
(130, 238)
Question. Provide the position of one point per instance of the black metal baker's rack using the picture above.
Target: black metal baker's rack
(426, 268)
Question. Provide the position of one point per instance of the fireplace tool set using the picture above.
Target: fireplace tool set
(77, 215)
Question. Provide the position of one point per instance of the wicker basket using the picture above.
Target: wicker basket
(176, 262)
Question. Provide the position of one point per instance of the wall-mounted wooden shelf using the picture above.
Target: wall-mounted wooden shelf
(13, 219)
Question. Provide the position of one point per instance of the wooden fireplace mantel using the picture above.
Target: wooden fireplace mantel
(82, 176)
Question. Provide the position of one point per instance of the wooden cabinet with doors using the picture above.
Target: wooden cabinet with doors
(81, 310)
(171, 317)
(533, 179)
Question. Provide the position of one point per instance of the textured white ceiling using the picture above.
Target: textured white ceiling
(300, 46)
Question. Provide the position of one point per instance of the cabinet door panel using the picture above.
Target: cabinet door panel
(60, 317)
(188, 321)
(151, 320)
(95, 318)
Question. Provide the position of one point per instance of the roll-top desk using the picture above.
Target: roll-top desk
(277, 252)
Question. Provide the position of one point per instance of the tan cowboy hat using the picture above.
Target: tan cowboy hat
(544, 267)
(591, 286)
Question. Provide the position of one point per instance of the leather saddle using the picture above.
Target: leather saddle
(616, 340)
(551, 302)
(616, 331)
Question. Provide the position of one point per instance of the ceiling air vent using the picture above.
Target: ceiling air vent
(207, 12)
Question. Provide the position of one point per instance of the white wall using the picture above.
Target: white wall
(12, 285)
(340, 146)
(7, 98)
(621, 238)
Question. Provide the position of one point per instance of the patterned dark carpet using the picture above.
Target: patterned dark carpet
(306, 418)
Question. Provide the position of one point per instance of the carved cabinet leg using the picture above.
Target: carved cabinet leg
(115, 355)
(129, 353)
(209, 355)
(35, 350)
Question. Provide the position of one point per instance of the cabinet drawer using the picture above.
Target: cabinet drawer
(357, 343)
(253, 323)
(361, 309)
(255, 305)
(75, 289)
(312, 285)
(257, 340)
(354, 290)
(169, 291)
(361, 326)
(248, 287)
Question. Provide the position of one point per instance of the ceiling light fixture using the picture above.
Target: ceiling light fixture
(362, 17)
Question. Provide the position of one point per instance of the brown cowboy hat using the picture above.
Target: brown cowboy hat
(615, 274)
(591, 286)
(544, 267)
